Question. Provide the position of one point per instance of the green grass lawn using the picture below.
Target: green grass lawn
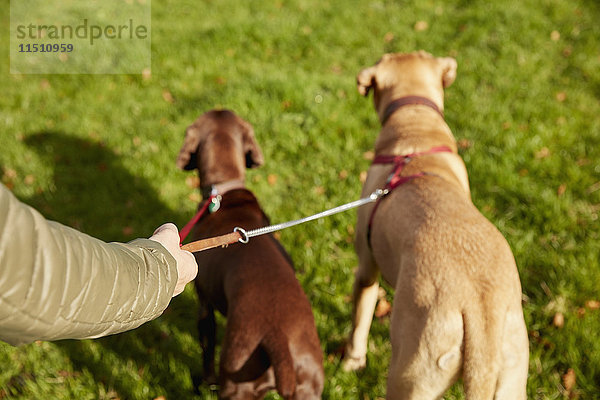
(97, 152)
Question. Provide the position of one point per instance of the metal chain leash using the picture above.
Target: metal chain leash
(243, 236)
(246, 235)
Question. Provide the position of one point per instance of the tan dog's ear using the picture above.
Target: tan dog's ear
(449, 66)
(254, 156)
(365, 80)
(187, 159)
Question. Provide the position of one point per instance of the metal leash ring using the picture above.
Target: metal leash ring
(244, 235)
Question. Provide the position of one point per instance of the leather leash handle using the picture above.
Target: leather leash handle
(210, 243)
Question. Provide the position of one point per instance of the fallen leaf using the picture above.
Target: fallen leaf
(9, 174)
(160, 398)
(369, 155)
(146, 74)
(592, 304)
(543, 153)
(44, 84)
(167, 96)
(554, 36)
(363, 176)
(558, 320)
(319, 190)
(421, 26)
(29, 179)
(350, 229)
(464, 144)
(195, 197)
(569, 379)
(272, 179)
(561, 96)
(561, 189)
(581, 312)
(192, 181)
(343, 174)
(388, 37)
(383, 308)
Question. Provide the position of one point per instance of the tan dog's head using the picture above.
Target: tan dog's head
(221, 146)
(412, 74)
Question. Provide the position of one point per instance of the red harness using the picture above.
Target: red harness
(395, 179)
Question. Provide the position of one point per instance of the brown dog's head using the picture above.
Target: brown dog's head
(412, 74)
(221, 146)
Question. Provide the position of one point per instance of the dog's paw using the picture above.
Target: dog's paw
(200, 380)
(350, 363)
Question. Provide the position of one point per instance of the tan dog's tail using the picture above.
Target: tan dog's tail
(482, 351)
(275, 344)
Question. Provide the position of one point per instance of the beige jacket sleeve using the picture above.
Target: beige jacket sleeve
(59, 283)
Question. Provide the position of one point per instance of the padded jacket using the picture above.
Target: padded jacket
(59, 283)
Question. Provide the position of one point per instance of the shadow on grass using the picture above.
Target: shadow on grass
(95, 193)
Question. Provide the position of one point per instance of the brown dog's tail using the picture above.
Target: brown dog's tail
(275, 343)
(482, 351)
(241, 343)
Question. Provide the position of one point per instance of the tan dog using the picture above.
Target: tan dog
(457, 305)
(271, 340)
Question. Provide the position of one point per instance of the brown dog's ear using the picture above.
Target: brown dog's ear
(254, 156)
(365, 80)
(187, 159)
(449, 66)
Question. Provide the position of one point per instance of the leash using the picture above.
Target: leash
(243, 236)
(212, 200)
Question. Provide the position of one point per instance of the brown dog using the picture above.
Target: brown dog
(457, 305)
(270, 340)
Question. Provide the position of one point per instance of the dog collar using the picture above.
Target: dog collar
(221, 188)
(212, 195)
(409, 100)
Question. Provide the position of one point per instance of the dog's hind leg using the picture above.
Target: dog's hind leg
(207, 328)
(426, 352)
(364, 298)
(512, 381)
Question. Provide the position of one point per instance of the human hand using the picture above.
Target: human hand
(168, 236)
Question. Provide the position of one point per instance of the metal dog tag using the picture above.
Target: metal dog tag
(215, 204)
